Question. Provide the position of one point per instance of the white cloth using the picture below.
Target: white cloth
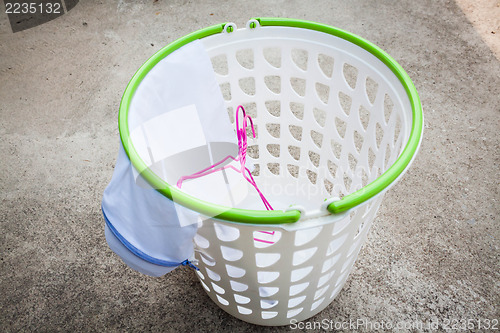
(178, 125)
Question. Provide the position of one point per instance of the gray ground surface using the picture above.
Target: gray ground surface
(432, 254)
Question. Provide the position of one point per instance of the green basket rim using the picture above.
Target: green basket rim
(274, 216)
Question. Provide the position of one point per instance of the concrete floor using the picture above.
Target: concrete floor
(432, 254)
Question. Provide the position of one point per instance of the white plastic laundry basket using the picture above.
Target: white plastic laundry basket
(338, 122)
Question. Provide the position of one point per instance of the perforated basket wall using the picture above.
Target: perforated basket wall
(294, 276)
(330, 118)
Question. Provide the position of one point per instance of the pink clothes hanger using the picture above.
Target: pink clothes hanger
(242, 156)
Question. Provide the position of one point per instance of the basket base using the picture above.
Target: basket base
(281, 319)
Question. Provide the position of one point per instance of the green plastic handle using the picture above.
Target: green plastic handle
(264, 216)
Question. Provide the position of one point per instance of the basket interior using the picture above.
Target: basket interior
(330, 117)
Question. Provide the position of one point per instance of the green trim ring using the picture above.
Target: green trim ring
(264, 216)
